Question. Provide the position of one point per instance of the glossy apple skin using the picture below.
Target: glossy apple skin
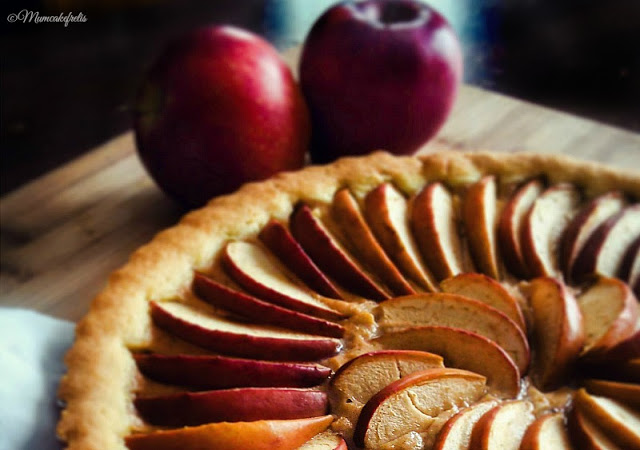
(221, 372)
(217, 109)
(378, 74)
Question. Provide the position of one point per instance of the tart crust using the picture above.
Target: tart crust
(98, 388)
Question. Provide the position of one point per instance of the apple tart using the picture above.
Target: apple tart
(449, 301)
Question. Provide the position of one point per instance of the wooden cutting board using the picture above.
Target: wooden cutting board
(62, 234)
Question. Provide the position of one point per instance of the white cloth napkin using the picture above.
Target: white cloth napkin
(32, 347)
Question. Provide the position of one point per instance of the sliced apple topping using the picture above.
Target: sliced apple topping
(386, 211)
(627, 393)
(280, 241)
(329, 255)
(412, 403)
(434, 225)
(487, 290)
(456, 433)
(451, 310)
(610, 312)
(327, 440)
(221, 372)
(362, 377)
(503, 426)
(510, 225)
(231, 405)
(603, 253)
(256, 435)
(347, 215)
(479, 214)
(260, 311)
(585, 434)
(543, 228)
(630, 267)
(547, 432)
(559, 331)
(590, 217)
(461, 349)
(618, 422)
(253, 268)
(239, 339)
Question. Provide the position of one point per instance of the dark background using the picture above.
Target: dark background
(65, 90)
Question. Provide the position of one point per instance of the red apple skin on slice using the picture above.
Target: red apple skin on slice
(279, 240)
(603, 253)
(590, 217)
(626, 349)
(387, 213)
(510, 225)
(236, 339)
(456, 433)
(413, 402)
(559, 331)
(479, 214)
(434, 225)
(544, 226)
(256, 435)
(487, 290)
(456, 311)
(630, 267)
(260, 311)
(610, 312)
(627, 393)
(231, 405)
(620, 423)
(547, 432)
(346, 213)
(220, 372)
(252, 268)
(327, 254)
(503, 426)
(585, 434)
(461, 349)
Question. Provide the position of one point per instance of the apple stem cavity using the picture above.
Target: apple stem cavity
(393, 13)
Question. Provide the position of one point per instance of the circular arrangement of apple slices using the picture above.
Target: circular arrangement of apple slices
(485, 315)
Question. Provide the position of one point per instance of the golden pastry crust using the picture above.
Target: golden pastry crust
(98, 388)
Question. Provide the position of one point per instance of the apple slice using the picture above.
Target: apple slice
(479, 214)
(327, 253)
(434, 225)
(510, 225)
(252, 268)
(327, 440)
(462, 349)
(547, 432)
(543, 227)
(231, 405)
(347, 215)
(387, 215)
(587, 435)
(503, 426)
(362, 377)
(456, 433)
(260, 311)
(559, 331)
(412, 403)
(256, 435)
(624, 350)
(628, 393)
(630, 267)
(603, 253)
(590, 217)
(610, 312)
(618, 422)
(280, 241)
(487, 290)
(239, 339)
(221, 372)
(451, 310)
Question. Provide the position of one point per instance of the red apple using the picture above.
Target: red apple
(378, 74)
(219, 108)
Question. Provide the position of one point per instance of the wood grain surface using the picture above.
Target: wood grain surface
(62, 234)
